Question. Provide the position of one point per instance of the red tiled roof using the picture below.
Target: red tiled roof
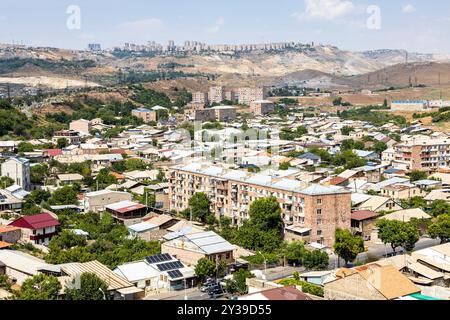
(130, 208)
(4, 229)
(117, 151)
(54, 152)
(39, 221)
(363, 215)
(286, 293)
(4, 245)
(337, 180)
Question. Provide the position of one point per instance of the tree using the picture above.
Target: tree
(238, 284)
(413, 203)
(293, 252)
(65, 196)
(6, 182)
(264, 230)
(135, 164)
(39, 287)
(199, 205)
(205, 268)
(379, 147)
(441, 228)
(285, 166)
(417, 175)
(316, 260)
(87, 287)
(347, 246)
(439, 207)
(397, 234)
(62, 143)
(347, 130)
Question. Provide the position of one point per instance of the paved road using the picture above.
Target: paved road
(380, 251)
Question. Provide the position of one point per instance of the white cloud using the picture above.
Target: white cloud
(325, 9)
(141, 26)
(217, 26)
(408, 8)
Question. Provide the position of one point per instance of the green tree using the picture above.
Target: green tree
(293, 252)
(135, 164)
(6, 182)
(88, 287)
(285, 166)
(66, 195)
(414, 202)
(379, 147)
(439, 207)
(200, 205)
(205, 268)
(347, 130)
(264, 230)
(316, 260)
(347, 246)
(417, 175)
(238, 283)
(441, 228)
(25, 147)
(397, 234)
(39, 287)
(62, 143)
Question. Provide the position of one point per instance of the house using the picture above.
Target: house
(370, 282)
(190, 248)
(19, 266)
(144, 175)
(161, 272)
(378, 204)
(71, 178)
(10, 201)
(290, 293)
(17, 169)
(153, 228)
(367, 155)
(98, 200)
(407, 215)
(126, 210)
(9, 235)
(428, 184)
(82, 126)
(311, 158)
(38, 229)
(119, 288)
(318, 278)
(402, 191)
(363, 222)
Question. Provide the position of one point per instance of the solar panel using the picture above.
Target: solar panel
(175, 274)
(158, 258)
(2, 197)
(169, 266)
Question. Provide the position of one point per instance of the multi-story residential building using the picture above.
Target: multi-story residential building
(83, 126)
(249, 95)
(38, 229)
(225, 113)
(310, 212)
(423, 153)
(216, 94)
(145, 114)
(72, 137)
(262, 107)
(203, 115)
(18, 169)
(200, 98)
(230, 96)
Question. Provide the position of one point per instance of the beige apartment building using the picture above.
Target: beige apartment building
(248, 95)
(145, 114)
(262, 107)
(225, 113)
(216, 94)
(83, 126)
(311, 212)
(424, 153)
(200, 98)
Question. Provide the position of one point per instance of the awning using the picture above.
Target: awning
(130, 290)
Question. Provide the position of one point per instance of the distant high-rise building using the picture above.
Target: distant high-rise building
(216, 94)
(95, 47)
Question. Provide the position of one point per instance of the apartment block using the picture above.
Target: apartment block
(423, 153)
(82, 126)
(216, 94)
(225, 113)
(311, 212)
(145, 114)
(248, 95)
(262, 107)
(200, 98)
(409, 105)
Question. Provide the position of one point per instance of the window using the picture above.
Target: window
(319, 212)
(319, 221)
(319, 232)
(319, 201)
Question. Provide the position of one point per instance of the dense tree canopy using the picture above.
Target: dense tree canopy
(39, 287)
(348, 246)
(397, 234)
(87, 287)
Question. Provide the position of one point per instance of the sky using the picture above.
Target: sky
(356, 25)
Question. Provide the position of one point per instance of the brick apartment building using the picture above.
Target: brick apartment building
(310, 212)
(426, 154)
(216, 94)
(200, 98)
(248, 95)
(262, 107)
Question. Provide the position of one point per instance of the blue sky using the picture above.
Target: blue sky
(415, 25)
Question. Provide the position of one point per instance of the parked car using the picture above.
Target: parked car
(207, 286)
(216, 292)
